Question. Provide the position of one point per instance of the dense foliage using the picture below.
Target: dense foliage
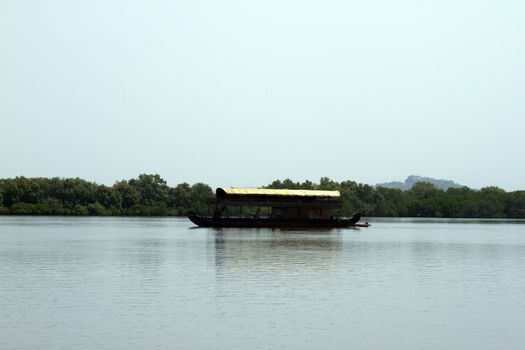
(144, 196)
(422, 200)
(150, 195)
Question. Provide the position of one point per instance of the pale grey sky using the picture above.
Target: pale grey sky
(239, 93)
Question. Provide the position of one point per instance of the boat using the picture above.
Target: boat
(276, 208)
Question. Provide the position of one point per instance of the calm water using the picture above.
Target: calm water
(112, 283)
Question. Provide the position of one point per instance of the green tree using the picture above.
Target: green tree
(394, 202)
(180, 198)
(285, 184)
(307, 185)
(150, 195)
(276, 184)
(200, 194)
(152, 188)
(129, 195)
(97, 209)
(492, 202)
(515, 205)
(108, 197)
(77, 192)
(54, 206)
(326, 184)
(78, 209)
(423, 190)
(348, 190)
(10, 191)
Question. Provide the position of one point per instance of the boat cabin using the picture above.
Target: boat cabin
(277, 203)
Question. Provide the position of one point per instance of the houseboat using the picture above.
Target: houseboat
(276, 208)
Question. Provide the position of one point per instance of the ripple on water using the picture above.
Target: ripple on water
(119, 283)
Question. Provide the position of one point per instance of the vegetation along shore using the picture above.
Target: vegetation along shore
(149, 195)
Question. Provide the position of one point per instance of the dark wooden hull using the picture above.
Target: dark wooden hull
(275, 223)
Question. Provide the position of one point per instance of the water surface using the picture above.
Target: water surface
(126, 283)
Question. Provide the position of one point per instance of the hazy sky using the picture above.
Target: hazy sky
(239, 93)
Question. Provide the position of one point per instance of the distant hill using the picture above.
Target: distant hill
(412, 179)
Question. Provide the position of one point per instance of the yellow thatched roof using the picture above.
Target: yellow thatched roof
(280, 192)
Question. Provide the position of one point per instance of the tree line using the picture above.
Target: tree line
(422, 200)
(149, 195)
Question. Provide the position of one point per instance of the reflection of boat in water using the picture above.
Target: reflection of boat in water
(240, 252)
(276, 209)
